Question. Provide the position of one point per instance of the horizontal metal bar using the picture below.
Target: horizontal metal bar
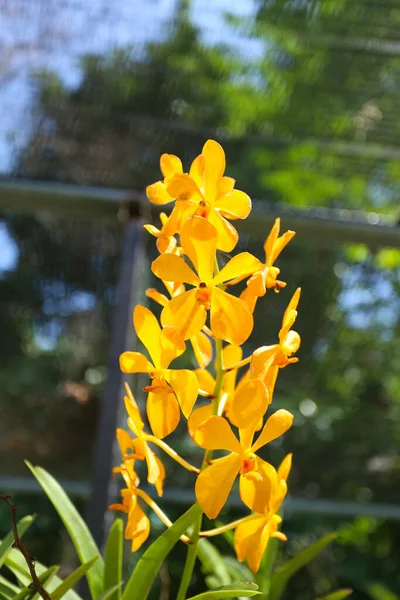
(25, 485)
(319, 226)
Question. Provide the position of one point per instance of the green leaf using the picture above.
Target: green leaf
(263, 577)
(8, 589)
(378, 591)
(234, 590)
(339, 595)
(16, 563)
(72, 579)
(238, 571)
(213, 563)
(108, 593)
(113, 559)
(145, 572)
(81, 537)
(8, 540)
(43, 578)
(281, 577)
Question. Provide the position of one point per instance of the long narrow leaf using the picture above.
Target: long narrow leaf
(338, 595)
(72, 579)
(281, 577)
(378, 591)
(81, 537)
(145, 572)
(8, 540)
(234, 590)
(7, 588)
(213, 563)
(109, 593)
(113, 559)
(238, 571)
(43, 578)
(17, 565)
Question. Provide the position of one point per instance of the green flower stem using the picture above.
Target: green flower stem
(193, 548)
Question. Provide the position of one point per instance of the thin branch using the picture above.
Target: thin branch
(30, 561)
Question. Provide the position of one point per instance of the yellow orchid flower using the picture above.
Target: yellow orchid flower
(255, 473)
(170, 166)
(267, 360)
(138, 525)
(169, 388)
(252, 536)
(231, 319)
(267, 276)
(141, 449)
(166, 242)
(201, 343)
(207, 193)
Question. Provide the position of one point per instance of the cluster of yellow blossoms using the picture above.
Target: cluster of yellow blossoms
(205, 201)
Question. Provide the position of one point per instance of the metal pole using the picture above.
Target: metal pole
(131, 258)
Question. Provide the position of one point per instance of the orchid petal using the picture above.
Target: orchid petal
(148, 331)
(170, 165)
(134, 362)
(276, 425)
(199, 242)
(240, 265)
(234, 205)
(185, 314)
(172, 346)
(214, 484)
(216, 434)
(214, 167)
(227, 234)
(163, 413)
(171, 267)
(231, 319)
(185, 386)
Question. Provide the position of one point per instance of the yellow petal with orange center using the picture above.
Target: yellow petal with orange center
(185, 386)
(249, 404)
(148, 331)
(227, 234)
(185, 313)
(171, 267)
(205, 380)
(134, 362)
(234, 205)
(214, 484)
(163, 413)
(250, 541)
(214, 167)
(202, 349)
(256, 487)
(231, 319)
(199, 242)
(172, 345)
(216, 434)
(276, 425)
(170, 165)
(197, 417)
(240, 265)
